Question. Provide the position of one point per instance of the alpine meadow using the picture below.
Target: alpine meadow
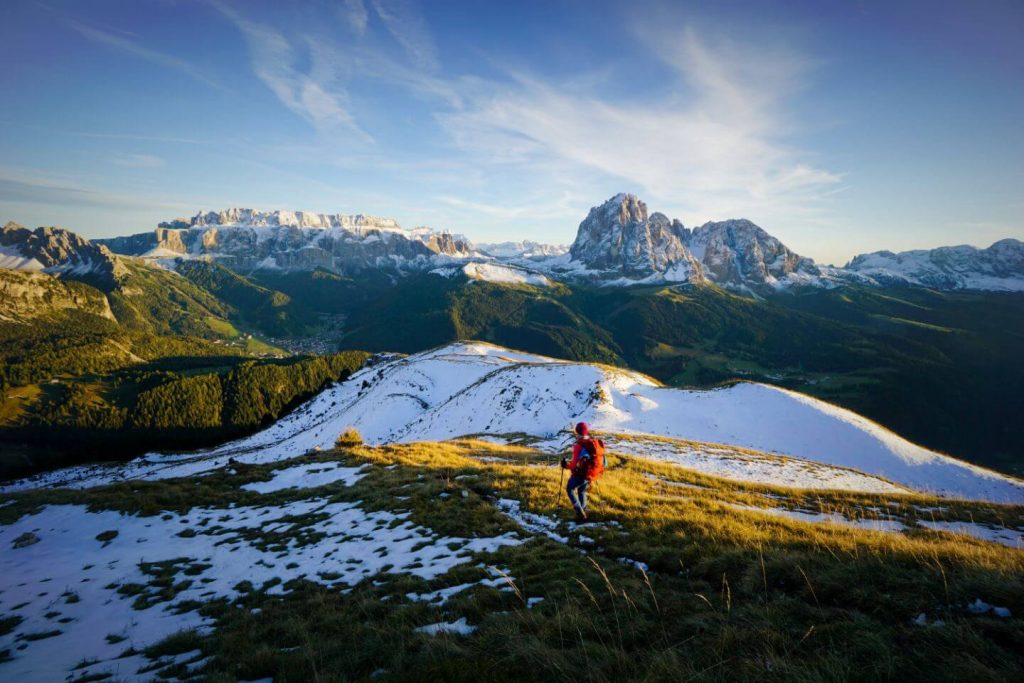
(678, 341)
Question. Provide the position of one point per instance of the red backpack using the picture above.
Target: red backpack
(595, 457)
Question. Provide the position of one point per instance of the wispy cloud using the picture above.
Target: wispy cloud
(133, 48)
(405, 23)
(712, 148)
(354, 14)
(311, 93)
(137, 160)
(718, 143)
(32, 186)
(530, 208)
(139, 138)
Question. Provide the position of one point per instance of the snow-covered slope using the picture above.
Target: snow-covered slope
(479, 389)
(525, 249)
(496, 272)
(1000, 267)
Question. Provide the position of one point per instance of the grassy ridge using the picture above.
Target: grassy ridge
(71, 343)
(730, 594)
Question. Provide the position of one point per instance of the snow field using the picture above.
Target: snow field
(223, 548)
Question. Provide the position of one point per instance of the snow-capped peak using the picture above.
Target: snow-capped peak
(57, 251)
(300, 219)
(999, 267)
(620, 239)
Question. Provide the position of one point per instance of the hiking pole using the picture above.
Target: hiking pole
(558, 492)
(561, 476)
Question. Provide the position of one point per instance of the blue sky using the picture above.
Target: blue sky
(839, 127)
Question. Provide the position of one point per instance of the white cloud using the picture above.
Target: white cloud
(353, 13)
(276, 61)
(717, 143)
(137, 160)
(712, 147)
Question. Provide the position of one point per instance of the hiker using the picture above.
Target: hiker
(587, 464)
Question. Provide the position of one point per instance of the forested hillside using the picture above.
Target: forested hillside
(171, 403)
(270, 311)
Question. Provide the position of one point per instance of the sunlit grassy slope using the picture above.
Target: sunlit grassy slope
(729, 593)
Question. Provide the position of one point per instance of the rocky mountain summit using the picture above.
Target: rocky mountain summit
(619, 243)
(620, 239)
(737, 252)
(59, 252)
(248, 240)
(999, 267)
(274, 219)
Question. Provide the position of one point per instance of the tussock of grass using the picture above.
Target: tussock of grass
(349, 438)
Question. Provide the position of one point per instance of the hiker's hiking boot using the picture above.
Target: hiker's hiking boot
(581, 516)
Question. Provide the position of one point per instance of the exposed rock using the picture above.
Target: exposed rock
(619, 238)
(26, 539)
(1000, 267)
(739, 253)
(26, 295)
(247, 240)
(60, 252)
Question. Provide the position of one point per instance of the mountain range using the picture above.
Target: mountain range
(617, 243)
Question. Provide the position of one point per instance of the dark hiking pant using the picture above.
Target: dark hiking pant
(577, 490)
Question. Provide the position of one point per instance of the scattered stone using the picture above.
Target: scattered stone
(26, 539)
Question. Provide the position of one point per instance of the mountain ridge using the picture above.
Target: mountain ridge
(618, 243)
(998, 267)
(59, 252)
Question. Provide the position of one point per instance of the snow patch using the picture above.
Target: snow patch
(493, 272)
(71, 572)
(460, 628)
(1008, 537)
(308, 476)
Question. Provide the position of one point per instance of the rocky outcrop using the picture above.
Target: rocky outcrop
(740, 254)
(60, 252)
(28, 295)
(619, 239)
(445, 243)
